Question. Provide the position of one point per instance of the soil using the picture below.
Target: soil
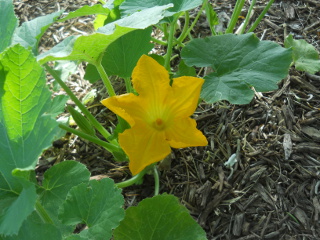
(273, 191)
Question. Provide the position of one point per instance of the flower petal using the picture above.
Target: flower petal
(128, 106)
(151, 80)
(186, 93)
(144, 146)
(184, 133)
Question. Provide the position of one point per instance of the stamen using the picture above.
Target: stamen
(159, 124)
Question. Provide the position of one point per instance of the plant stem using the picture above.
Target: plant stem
(258, 20)
(208, 9)
(253, 2)
(159, 41)
(182, 37)
(165, 30)
(134, 179)
(108, 146)
(128, 85)
(170, 42)
(235, 15)
(110, 89)
(184, 31)
(105, 79)
(43, 213)
(83, 109)
(156, 180)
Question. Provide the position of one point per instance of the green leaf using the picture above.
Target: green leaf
(97, 204)
(8, 21)
(57, 105)
(159, 218)
(75, 237)
(114, 14)
(34, 228)
(122, 55)
(239, 62)
(184, 70)
(24, 104)
(16, 209)
(26, 126)
(99, 21)
(86, 10)
(131, 6)
(158, 58)
(91, 48)
(65, 68)
(212, 17)
(305, 56)
(60, 178)
(57, 182)
(30, 33)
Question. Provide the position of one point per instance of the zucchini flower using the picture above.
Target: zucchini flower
(159, 115)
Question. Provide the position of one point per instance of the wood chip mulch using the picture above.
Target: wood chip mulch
(273, 191)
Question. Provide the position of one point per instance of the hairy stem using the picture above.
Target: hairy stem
(105, 79)
(108, 146)
(265, 10)
(43, 213)
(134, 179)
(170, 43)
(83, 109)
(235, 15)
(156, 180)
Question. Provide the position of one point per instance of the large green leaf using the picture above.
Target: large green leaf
(91, 48)
(30, 33)
(8, 23)
(26, 125)
(131, 6)
(239, 62)
(86, 10)
(34, 228)
(305, 56)
(184, 70)
(15, 208)
(59, 179)
(159, 218)
(97, 204)
(57, 182)
(123, 54)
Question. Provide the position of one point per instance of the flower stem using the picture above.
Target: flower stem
(108, 146)
(43, 213)
(258, 20)
(235, 15)
(128, 84)
(156, 180)
(110, 89)
(170, 42)
(133, 180)
(105, 79)
(83, 109)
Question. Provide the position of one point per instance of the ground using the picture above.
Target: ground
(273, 191)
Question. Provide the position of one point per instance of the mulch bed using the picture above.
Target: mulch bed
(273, 191)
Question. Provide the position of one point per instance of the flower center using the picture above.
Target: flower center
(159, 124)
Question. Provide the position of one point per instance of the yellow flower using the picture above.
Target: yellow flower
(159, 116)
